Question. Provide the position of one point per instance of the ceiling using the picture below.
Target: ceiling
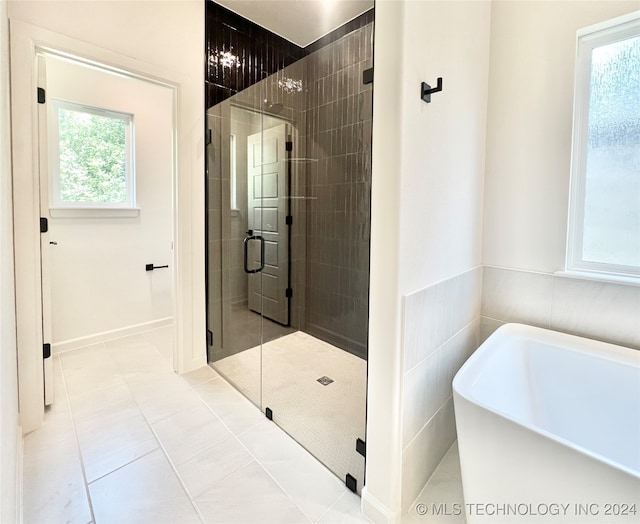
(299, 21)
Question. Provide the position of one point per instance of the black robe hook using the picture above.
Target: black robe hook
(426, 90)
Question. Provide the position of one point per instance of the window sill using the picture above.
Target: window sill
(94, 212)
(600, 277)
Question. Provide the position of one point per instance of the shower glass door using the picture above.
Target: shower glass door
(248, 236)
(288, 185)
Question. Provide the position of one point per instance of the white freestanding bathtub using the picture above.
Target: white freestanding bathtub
(549, 429)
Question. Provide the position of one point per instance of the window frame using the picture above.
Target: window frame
(589, 38)
(59, 206)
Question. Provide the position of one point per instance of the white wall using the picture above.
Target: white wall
(98, 278)
(382, 490)
(529, 128)
(443, 161)
(443, 142)
(8, 371)
(169, 33)
(533, 47)
(428, 168)
(516, 59)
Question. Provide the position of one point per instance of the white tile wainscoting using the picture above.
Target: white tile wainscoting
(446, 322)
(605, 311)
(441, 330)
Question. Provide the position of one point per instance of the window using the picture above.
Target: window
(91, 157)
(604, 214)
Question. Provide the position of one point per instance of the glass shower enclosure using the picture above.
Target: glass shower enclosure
(288, 226)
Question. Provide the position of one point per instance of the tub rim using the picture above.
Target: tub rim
(515, 330)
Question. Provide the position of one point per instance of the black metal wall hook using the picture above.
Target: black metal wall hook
(426, 90)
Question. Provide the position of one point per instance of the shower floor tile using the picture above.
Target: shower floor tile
(326, 419)
(162, 448)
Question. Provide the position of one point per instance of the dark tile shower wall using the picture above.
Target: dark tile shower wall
(339, 113)
(240, 53)
(331, 117)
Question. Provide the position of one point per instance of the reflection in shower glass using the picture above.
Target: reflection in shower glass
(233, 174)
(288, 246)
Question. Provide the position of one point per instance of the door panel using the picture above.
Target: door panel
(269, 186)
(271, 253)
(267, 211)
(270, 287)
(267, 217)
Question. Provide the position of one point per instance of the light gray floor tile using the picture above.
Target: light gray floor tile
(248, 495)
(145, 491)
(146, 440)
(187, 433)
(113, 440)
(205, 469)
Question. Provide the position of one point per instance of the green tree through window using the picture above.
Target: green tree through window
(93, 157)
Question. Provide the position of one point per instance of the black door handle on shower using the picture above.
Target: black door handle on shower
(251, 236)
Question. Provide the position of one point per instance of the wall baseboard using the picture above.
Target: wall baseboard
(331, 337)
(66, 345)
(375, 511)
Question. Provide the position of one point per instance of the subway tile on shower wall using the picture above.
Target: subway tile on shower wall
(331, 118)
(339, 185)
(240, 53)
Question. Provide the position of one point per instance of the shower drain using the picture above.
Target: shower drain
(325, 381)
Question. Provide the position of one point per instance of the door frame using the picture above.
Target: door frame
(27, 41)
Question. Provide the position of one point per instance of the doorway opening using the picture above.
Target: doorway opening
(29, 44)
(106, 175)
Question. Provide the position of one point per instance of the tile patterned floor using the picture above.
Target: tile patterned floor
(129, 441)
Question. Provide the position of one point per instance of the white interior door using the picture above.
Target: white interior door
(45, 242)
(267, 210)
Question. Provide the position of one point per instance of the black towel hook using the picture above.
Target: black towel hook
(426, 90)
